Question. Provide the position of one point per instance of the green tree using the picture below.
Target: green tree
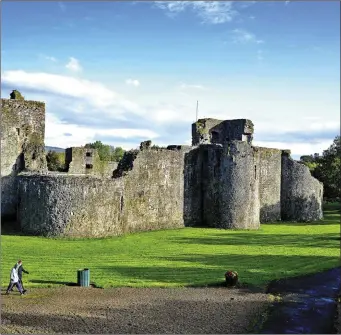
(328, 169)
(310, 161)
(104, 150)
(55, 161)
(117, 154)
(307, 158)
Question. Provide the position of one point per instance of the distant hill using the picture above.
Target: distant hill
(56, 149)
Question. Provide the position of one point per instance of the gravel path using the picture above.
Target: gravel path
(128, 310)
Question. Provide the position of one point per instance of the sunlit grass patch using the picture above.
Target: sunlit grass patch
(181, 257)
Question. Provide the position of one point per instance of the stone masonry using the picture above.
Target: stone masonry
(81, 160)
(221, 181)
(22, 146)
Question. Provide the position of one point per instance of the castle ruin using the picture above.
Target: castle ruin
(221, 181)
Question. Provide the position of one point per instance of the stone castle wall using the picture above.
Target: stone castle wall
(301, 194)
(235, 186)
(62, 205)
(270, 169)
(147, 197)
(223, 182)
(9, 197)
(221, 186)
(22, 145)
(213, 131)
(240, 185)
(193, 190)
(81, 160)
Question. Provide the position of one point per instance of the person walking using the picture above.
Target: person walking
(21, 269)
(14, 280)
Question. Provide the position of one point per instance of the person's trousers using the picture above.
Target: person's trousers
(17, 284)
(22, 285)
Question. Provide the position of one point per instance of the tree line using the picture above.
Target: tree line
(327, 168)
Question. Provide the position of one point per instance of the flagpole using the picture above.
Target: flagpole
(196, 113)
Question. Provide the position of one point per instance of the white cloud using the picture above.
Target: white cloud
(297, 148)
(93, 93)
(282, 113)
(52, 59)
(172, 6)
(133, 82)
(80, 135)
(171, 114)
(243, 36)
(46, 57)
(214, 12)
(74, 65)
(195, 86)
(87, 109)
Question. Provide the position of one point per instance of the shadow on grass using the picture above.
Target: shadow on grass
(329, 240)
(55, 282)
(254, 270)
(331, 216)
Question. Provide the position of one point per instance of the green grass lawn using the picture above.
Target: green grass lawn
(182, 257)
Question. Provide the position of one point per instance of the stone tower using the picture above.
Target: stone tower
(213, 131)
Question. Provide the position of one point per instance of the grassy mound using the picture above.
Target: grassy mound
(190, 256)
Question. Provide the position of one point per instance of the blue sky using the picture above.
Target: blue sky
(123, 72)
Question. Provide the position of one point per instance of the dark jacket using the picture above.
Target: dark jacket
(20, 271)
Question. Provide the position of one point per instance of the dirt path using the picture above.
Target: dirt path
(127, 310)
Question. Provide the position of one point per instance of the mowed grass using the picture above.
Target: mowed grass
(182, 257)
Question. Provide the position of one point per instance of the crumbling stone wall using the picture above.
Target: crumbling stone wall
(201, 130)
(22, 136)
(270, 169)
(301, 194)
(193, 190)
(9, 197)
(108, 168)
(64, 205)
(147, 197)
(210, 185)
(153, 191)
(22, 145)
(81, 160)
(126, 164)
(212, 190)
(223, 182)
(221, 188)
(207, 131)
(240, 184)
